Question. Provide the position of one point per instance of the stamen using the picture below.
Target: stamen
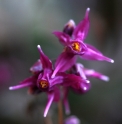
(44, 84)
(76, 46)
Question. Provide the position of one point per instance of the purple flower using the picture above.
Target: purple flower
(72, 120)
(42, 81)
(72, 38)
(79, 69)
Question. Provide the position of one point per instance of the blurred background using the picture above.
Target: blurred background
(25, 24)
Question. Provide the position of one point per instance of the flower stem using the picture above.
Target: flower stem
(60, 112)
(48, 120)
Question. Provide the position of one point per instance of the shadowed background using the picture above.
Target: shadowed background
(25, 24)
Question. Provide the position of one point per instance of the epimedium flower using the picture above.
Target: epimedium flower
(42, 81)
(72, 38)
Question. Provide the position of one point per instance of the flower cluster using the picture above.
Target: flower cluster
(56, 80)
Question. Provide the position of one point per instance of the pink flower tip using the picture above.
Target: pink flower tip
(87, 12)
(105, 78)
(88, 9)
(38, 46)
(10, 88)
(112, 61)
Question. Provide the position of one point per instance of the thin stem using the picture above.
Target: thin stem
(48, 120)
(60, 112)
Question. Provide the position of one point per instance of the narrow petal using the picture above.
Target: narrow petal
(25, 83)
(50, 100)
(20, 86)
(63, 37)
(37, 67)
(80, 71)
(69, 27)
(92, 73)
(91, 54)
(46, 63)
(58, 79)
(64, 62)
(82, 28)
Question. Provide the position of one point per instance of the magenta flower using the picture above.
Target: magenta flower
(42, 81)
(79, 69)
(72, 38)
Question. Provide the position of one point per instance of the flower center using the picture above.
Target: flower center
(44, 84)
(76, 46)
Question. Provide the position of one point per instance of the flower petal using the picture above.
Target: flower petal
(62, 63)
(91, 54)
(77, 83)
(80, 71)
(26, 83)
(63, 37)
(82, 28)
(37, 67)
(46, 63)
(92, 73)
(50, 100)
(58, 79)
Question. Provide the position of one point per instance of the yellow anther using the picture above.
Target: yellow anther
(76, 46)
(44, 84)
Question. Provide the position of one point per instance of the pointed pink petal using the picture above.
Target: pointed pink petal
(90, 54)
(92, 73)
(62, 63)
(82, 28)
(80, 71)
(46, 63)
(50, 100)
(63, 38)
(25, 83)
(58, 79)
(20, 86)
(93, 48)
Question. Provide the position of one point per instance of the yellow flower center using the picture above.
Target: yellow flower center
(44, 84)
(76, 46)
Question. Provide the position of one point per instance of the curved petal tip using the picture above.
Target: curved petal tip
(105, 78)
(38, 46)
(112, 61)
(10, 88)
(88, 9)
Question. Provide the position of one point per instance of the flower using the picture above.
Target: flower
(72, 120)
(42, 81)
(72, 38)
